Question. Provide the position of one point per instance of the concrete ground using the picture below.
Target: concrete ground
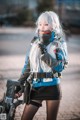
(10, 68)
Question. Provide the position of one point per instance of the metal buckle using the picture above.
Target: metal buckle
(49, 75)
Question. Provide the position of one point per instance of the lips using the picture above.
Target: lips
(45, 32)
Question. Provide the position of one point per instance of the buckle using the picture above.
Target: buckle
(49, 75)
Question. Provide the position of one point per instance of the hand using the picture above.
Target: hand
(18, 91)
(42, 48)
(17, 95)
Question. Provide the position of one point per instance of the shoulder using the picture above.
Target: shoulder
(34, 39)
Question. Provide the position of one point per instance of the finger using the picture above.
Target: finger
(19, 94)
(16, 96)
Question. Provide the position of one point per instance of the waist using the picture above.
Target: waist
(45, 75)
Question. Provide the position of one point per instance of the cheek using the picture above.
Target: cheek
(48, 28)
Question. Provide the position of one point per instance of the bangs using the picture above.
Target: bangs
(44, 17)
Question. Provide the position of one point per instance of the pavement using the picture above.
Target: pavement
(10, 68)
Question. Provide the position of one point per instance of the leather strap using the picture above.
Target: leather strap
(45, 75)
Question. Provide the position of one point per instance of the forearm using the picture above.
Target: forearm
(51, 62)
(23, 77)
(25, 71)
(57, 64)
(61, 57)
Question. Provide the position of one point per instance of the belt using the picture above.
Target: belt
(44, 75)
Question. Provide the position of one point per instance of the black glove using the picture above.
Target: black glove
(17, 89)
(42, 48)
(22, 80)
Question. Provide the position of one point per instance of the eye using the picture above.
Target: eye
(40, 24)
(46, 24)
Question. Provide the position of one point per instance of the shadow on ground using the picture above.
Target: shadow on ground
(75, 119)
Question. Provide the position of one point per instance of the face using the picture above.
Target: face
(43, 25)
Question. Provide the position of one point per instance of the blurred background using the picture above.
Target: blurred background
(25, 12)
(17, 29)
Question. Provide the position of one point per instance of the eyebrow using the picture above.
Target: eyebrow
(44, 23)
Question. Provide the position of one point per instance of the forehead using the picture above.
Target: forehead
(44, 18)
(43, 21)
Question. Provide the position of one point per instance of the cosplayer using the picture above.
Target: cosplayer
(45, 60)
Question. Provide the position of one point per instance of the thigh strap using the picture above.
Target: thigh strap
(37, 104)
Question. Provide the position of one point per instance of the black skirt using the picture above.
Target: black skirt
(46, 93)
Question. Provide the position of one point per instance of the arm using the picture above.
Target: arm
(25, 72)
(46, 57)
(49, 60)
(62, 57)
(57, 64)
(26, 68)
(61, 60)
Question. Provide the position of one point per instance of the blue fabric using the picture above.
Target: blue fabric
(52, 36)
(54, 81)
(60, 55)
(59, 67)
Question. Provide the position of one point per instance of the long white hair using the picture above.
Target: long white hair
(52, 19)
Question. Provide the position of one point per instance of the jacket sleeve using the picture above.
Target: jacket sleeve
(24, 74)
(57, 64)
(26, 69)
(62, 57)
(49, 60)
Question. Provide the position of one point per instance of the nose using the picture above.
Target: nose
(42, 27)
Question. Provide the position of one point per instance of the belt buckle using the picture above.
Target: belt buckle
(48, 75)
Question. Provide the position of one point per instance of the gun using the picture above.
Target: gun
(8, 104)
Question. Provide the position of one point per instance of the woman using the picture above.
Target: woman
(46, 60)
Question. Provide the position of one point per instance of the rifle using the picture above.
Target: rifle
(9, 103)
